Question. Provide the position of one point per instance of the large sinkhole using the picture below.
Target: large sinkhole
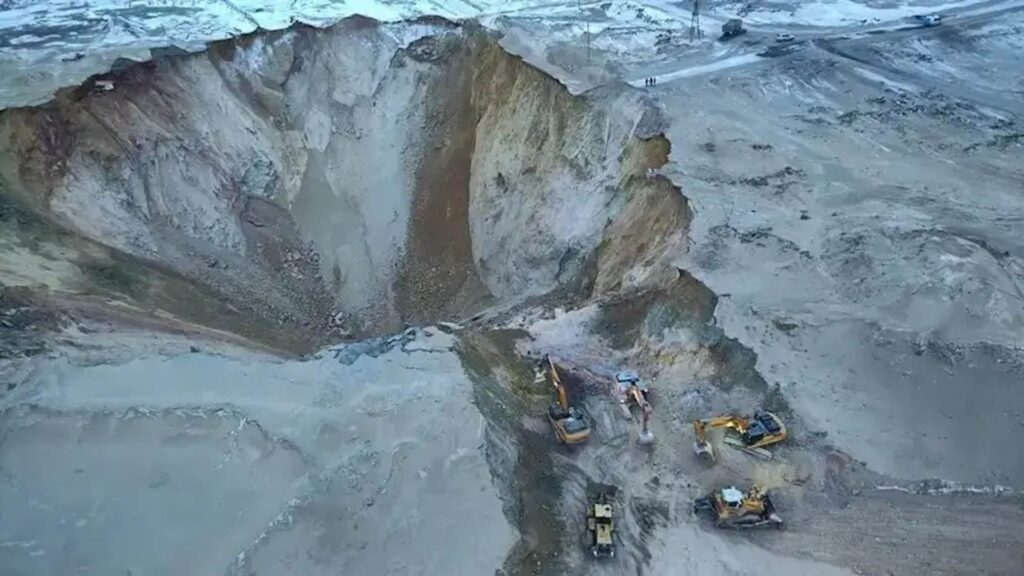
(345, 195)
(316, 191)
(308, 185)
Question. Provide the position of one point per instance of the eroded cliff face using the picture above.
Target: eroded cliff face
(354, 179)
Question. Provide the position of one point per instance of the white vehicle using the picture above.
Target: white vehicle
(784, 37)
(929, 19)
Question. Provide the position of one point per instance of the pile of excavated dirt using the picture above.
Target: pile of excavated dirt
(345, 182)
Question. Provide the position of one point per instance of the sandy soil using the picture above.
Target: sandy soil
(255, 465)
(835, 236)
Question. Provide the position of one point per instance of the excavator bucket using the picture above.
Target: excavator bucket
(645, 438)
(538, 375)
(704, 451)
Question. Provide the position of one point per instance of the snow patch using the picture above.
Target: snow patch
(879, 78)
(718, 65)
(842, 12)
(947, 487)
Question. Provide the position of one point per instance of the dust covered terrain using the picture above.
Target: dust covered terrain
(279, 300)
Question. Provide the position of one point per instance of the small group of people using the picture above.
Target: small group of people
(650, 81)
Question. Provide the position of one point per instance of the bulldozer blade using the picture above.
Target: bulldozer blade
(704, 507)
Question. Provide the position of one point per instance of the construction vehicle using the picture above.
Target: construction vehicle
(102, 86)
(751, 434)
(635, 393)
(732, 28)
(569, 422)
(626, 380)
(732, 508)
(601, 527)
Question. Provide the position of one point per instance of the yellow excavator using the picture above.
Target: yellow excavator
(637, 394)
(569, 422)
(733, 508)
(601, 527)
(751, 434)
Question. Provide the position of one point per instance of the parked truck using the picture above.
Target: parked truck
(732, 28)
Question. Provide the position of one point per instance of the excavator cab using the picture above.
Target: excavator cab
(627, 379)
(601, 527)
(569, 422)
(763, 426)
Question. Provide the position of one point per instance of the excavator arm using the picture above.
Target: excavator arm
(701, 446)
(735, 422)
(556, 381)
(636, 395)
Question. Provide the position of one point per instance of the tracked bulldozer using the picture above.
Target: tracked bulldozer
(748, 434)
(569, 422)
(601, 525)
(730, 507)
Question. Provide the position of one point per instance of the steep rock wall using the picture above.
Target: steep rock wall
(354, 178)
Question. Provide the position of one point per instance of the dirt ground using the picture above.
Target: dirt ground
(829, 229)
(837, 511)
(865, 253)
